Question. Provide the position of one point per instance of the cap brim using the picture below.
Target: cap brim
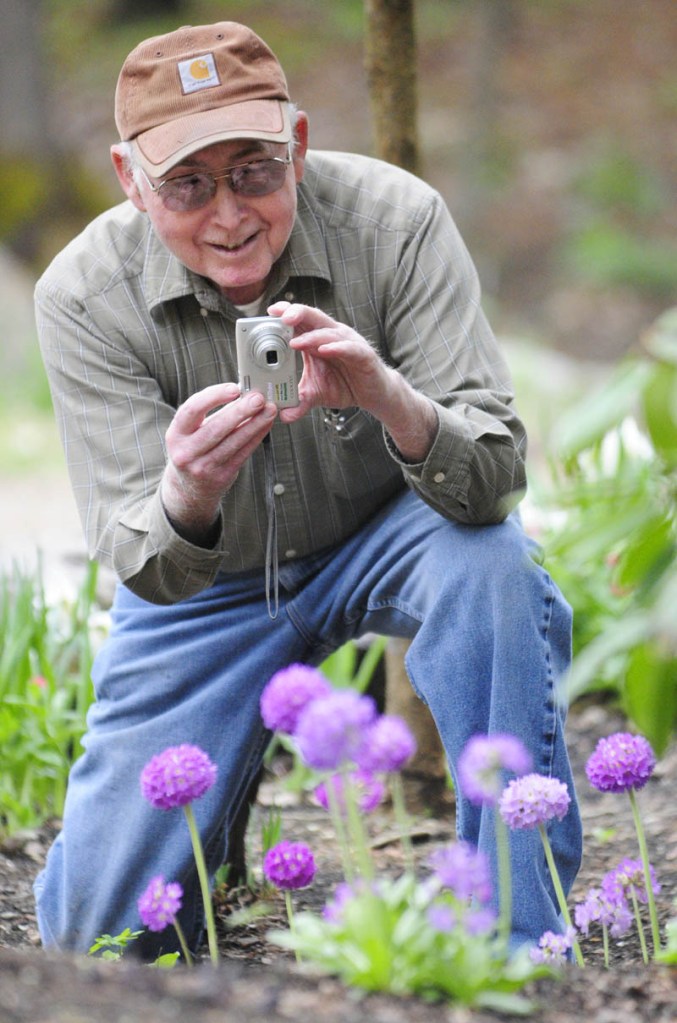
(163, 147)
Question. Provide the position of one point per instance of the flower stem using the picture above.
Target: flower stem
(204, 883)
(559, 891)
(290, 918)
(644, 853)
(504, 876)
(357, 830)
(605, 940)
(640, 926)
(182, 941)
(403, 821)
(339, 828)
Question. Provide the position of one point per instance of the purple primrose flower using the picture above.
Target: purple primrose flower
(609, 911)
(287, 694)
(532, 800)
(289, 865)
(627, 879)
(620, 762)
(553, 948)
(463, 869)
(482, 763)
(160, 903)
(331, 729)
(177, 776)
(368, 791)
(388, 744)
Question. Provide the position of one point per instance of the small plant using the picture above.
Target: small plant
(46, 653)
(435, 937)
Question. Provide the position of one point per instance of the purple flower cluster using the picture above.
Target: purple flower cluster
(160, 903)
(532, 800)
(621, 762)
(553, 948)
(388, 745)
(287, 694)
(367, 788)
(609, 911)
(330, 731)
(464, 870)
(177, 776)
(627, 880)
(333, 728)
(482, 764)
(289, 865)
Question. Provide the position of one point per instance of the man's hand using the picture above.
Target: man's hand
(342, 370)
(211, 436)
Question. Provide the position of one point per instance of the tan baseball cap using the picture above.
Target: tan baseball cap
(201, 84)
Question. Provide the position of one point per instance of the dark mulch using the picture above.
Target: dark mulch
(259, 982)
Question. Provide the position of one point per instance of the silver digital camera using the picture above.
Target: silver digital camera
(265, 361)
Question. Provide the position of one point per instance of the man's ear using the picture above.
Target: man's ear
(125, 177)
(301, 144)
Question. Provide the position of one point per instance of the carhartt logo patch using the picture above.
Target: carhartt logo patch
(198, 73)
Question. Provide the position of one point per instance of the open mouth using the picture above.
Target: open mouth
(230, 250)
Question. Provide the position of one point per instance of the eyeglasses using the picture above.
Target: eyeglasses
(188, 192)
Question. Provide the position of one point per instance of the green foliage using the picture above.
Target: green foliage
(113, 947)
(45, 691)
(604, 253)
(383, 941)
(23, 185)
(615, 556)
(345, 668)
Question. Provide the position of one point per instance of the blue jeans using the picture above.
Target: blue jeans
(490, 638)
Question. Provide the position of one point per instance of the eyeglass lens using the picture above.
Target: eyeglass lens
(191, 191)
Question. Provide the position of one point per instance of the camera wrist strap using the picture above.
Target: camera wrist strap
(272, 567)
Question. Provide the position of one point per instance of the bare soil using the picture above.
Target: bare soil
(257, 981)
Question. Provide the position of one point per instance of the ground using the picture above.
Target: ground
(257, 981)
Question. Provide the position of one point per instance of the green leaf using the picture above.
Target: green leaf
(661, 338)
(166, 961)
(660, 411)
(590, 661)
(649, 550)
(651, 694)
(585, 424)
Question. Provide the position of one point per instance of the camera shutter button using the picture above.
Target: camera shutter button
(278, 489)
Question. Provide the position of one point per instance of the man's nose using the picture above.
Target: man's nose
(227, 205)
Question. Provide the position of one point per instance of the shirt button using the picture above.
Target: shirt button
(289, 296)
(439, 477)
(291, 553)
(278, 489)
(204, 312)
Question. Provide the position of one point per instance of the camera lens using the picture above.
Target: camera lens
(271, 357)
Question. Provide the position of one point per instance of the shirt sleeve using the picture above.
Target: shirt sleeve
(438, 337)
(112, 418)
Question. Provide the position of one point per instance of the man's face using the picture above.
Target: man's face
(234, 240)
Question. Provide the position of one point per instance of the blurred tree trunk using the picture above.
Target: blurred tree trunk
(138, 10)
(23, 113)
(390, 51)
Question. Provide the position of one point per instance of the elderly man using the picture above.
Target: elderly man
(248, 536)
